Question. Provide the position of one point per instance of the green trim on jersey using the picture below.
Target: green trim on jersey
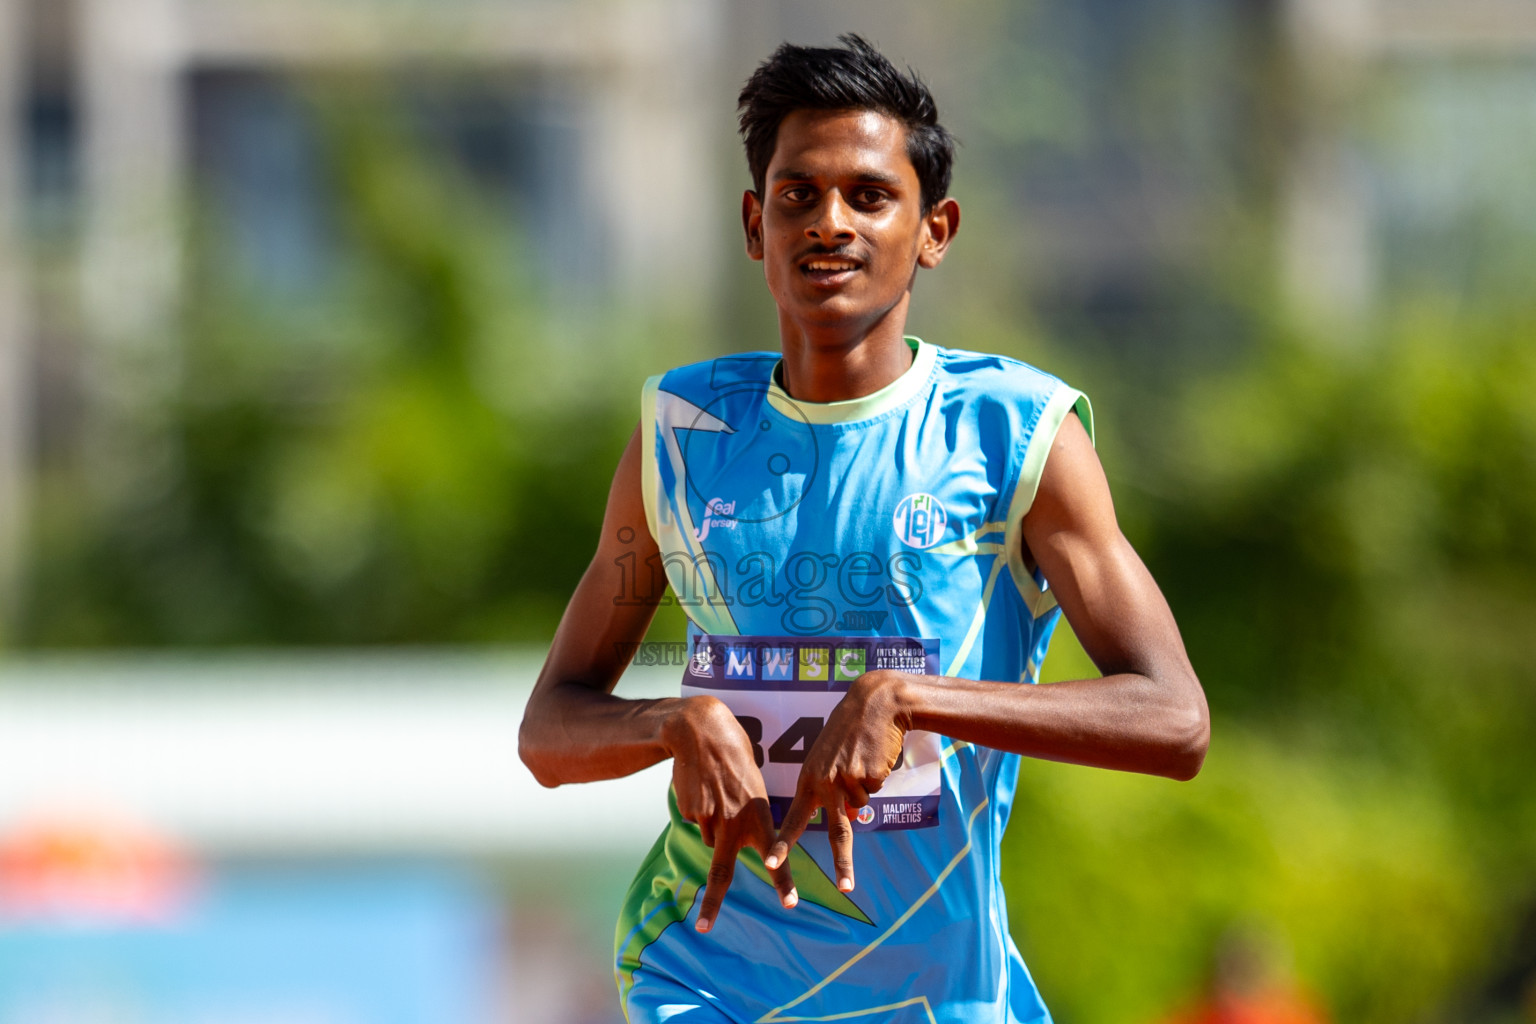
(1065, 401)
(894, 395)
(648, 470)
(678, 866)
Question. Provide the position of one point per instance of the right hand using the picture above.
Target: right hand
(720, 789)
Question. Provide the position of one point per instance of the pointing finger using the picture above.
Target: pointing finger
(783, 881)
(840, 835)
(796, 819)
(721, 869)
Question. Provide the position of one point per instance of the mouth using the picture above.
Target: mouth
(829, 271)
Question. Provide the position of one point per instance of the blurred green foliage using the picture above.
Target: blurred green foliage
(414, 452)
(1345, 537)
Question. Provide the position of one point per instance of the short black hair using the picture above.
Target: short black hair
(853, 77)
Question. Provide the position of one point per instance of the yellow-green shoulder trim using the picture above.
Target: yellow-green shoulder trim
(650, 477)
(1063, 401)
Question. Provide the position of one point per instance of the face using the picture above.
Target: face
(839, 227)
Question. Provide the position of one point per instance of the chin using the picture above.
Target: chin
(840, 303)
(835, 314)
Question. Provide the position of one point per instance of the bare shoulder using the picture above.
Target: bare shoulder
(1073, 494)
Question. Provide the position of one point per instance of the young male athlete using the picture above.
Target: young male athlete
(873, 538)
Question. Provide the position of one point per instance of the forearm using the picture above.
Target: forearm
(1158, 725)
(575, 733)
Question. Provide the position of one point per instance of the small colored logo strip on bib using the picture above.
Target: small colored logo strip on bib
(781, 689)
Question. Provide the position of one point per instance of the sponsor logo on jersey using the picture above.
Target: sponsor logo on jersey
(717, 513)
(920, 520)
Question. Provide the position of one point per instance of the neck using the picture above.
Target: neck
(836, 364)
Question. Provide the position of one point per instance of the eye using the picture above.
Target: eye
(797, 194)
(869, 196)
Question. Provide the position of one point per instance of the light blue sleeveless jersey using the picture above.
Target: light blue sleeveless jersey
(896, 515)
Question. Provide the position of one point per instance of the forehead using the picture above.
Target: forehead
(837, 143)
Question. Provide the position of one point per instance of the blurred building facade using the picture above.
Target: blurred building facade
(15, 377)
(1412, 119)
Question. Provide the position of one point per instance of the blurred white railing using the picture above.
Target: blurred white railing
(408, 751)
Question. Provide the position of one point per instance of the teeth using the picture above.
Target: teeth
(824, 265)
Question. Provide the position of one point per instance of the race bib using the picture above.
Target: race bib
(781, 689)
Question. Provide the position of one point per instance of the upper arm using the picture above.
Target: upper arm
(1110, 599)
(614, 603)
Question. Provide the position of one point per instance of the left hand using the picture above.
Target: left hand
(850, 759)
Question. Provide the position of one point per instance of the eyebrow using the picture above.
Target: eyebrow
(863, 177)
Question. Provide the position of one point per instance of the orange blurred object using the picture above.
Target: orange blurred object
(1249, 984)
(1277, 1006)
(92, 871)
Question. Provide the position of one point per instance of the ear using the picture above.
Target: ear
(940, 225)
(752, 223)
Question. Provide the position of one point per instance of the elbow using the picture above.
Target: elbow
(1189, 736)
(1188, 757)
(535, 756)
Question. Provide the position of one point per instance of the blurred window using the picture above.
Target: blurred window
(1450, 163)
(266, 180)
(52, 161)
(1143, 124)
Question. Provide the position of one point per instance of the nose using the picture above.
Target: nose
(833, 223)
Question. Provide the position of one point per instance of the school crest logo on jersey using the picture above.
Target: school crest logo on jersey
(920, 520)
